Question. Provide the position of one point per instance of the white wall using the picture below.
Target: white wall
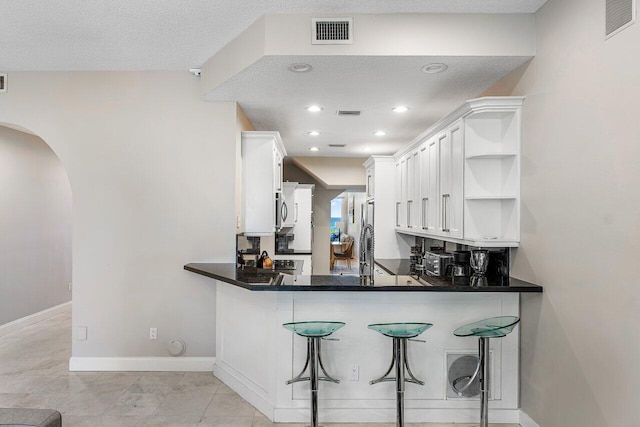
(35, 227)
(151, 168)
(580, 219)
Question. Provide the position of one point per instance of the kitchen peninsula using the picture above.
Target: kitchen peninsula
(256, 355)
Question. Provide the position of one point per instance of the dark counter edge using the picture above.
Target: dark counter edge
(516, 284)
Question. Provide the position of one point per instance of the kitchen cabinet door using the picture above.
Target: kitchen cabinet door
(413, 200)
(424, 180)
(433, 191)
(398, 194)
(451, 150)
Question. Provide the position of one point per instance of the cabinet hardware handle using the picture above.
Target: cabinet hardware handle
(425, 213)
(409, 204)
(445, 199)
(397, 214)
(295, 212)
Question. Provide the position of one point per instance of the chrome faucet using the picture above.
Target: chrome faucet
(366, 254)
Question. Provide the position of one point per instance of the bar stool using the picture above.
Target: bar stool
(494, 327)
(400, 332)
(314, 331)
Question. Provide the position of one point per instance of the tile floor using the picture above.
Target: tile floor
(33, 374)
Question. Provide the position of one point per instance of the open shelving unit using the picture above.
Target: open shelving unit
(492, 176)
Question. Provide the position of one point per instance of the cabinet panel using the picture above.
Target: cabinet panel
(433, 217)
(456, 199)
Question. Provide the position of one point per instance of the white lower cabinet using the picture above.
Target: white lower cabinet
(459, 181)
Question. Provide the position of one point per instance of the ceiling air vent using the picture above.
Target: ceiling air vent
(337, 145)
(348, 112)
(620, 14)
(332, 31)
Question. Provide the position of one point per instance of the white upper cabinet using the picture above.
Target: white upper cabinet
(262, 155)
(460, 180)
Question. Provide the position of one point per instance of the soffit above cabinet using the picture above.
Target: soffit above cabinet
(171, 34)
(380, 70)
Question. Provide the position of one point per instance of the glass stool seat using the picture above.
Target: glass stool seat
(313, 329)
(493, 327)
(400, 330)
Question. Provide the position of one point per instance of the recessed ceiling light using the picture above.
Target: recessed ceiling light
(400, 109)
(379, 133)
(299, 67)
(366, 149)
(314, 109)
(434, 68)
(313, 133)
(314, 149)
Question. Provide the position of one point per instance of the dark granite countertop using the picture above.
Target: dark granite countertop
(293, 252)
(394, 266)
(269, 280)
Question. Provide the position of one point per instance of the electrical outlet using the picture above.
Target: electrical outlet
(70, 286)
(82, 333)
(354, 373)
(153, 333)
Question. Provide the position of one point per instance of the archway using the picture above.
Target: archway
(35, 230)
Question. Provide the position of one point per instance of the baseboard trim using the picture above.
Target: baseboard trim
(142, 364)
(388, 415)
(526, 421)
(34, 318)
(245, 389)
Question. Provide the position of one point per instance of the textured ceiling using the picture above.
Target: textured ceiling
(169, 34)
(275, 99)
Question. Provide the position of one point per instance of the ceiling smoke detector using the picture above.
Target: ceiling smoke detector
(434, 68)
(299, 67)
(195, 71)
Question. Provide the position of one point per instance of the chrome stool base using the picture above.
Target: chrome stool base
(402, 370)
(400, 332)
(494, 327)
(314, 365)
(314, 331)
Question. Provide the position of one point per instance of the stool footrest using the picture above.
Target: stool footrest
(412, 379)
(300, 379)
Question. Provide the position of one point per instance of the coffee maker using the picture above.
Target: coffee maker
(459, 270)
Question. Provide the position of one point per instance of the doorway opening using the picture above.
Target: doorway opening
(36, 232)
(346, 223)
